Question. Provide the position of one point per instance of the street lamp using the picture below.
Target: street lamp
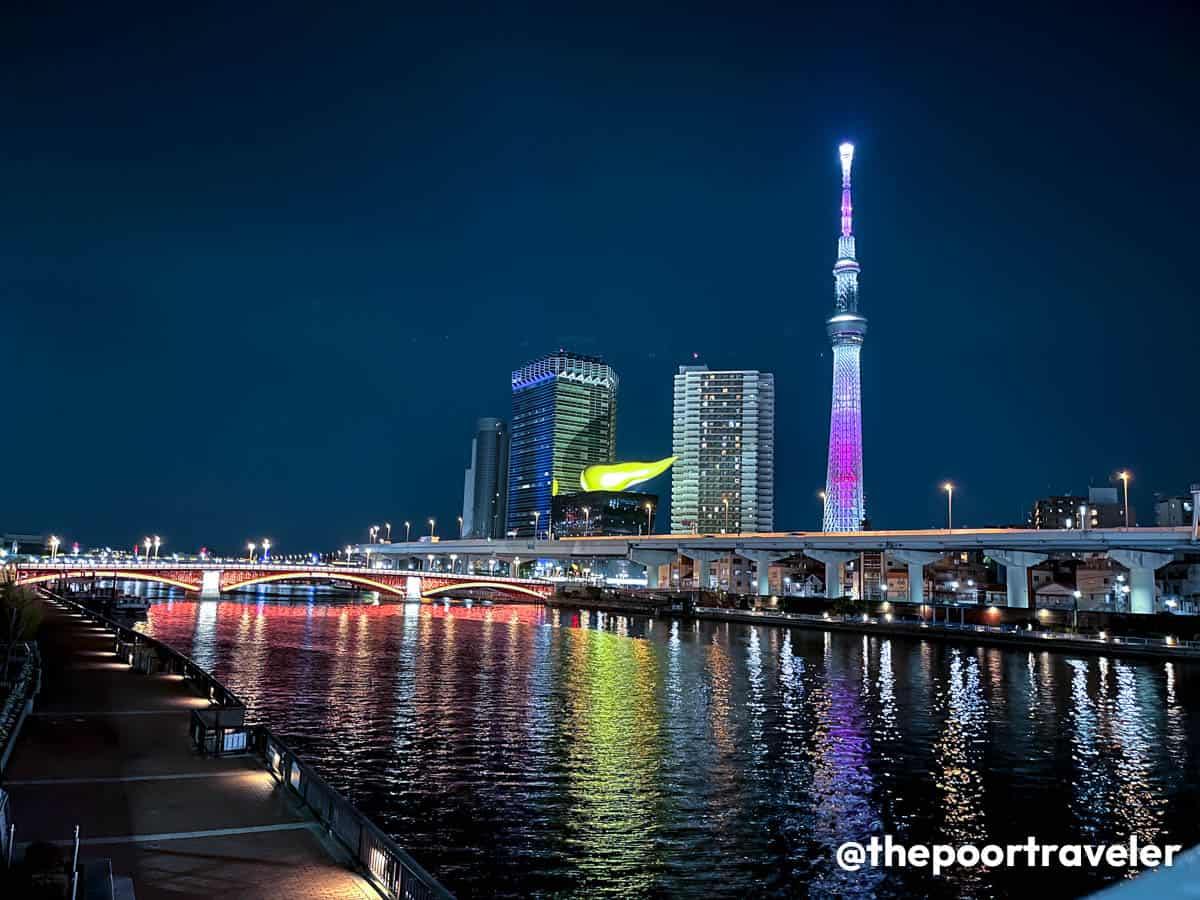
(54, 542)
(1125, 476)
(516, 567)
(460, 528)
(649, 511)
(147, 543)
(372, 531)
(949, 489)
(407, 531)
(453, 562)
(1075, 612)
(250, 551)
(157, 544)
(536, 515)
(587, 519)
(347, 554)
(388, 526)
(432, 526)
(266, 545)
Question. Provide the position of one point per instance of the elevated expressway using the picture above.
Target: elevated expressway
(1140, 550)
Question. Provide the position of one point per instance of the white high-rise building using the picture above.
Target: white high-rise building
(723, 481)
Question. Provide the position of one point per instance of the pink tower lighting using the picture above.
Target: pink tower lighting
(845, 506)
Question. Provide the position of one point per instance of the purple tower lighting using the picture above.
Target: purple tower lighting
(845, 507)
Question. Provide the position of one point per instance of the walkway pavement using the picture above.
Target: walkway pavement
(108, 749)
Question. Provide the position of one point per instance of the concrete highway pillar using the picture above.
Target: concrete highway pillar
(210, 583)
(1142, 565)
(703, 560)
(916, 560)
(653, 560)
(762, 566)
(833, 560)
(1017, 564)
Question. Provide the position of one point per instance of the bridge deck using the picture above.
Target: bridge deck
(108, 749)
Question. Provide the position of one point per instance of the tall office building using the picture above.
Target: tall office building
(564, 419)
(485, 493)
(845, 506)
(724, 440)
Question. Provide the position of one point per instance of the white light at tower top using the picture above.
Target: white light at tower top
(847, 153)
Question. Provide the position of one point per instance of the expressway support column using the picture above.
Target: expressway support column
(653, 560)
(833, 560)
(210, 583)
(762, 565)
(916, 560)
(1142, 564)
(1017, 564)
(702, 560)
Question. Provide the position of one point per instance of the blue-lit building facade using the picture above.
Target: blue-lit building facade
(564, 419)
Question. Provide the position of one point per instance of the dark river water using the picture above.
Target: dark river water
(517, 750)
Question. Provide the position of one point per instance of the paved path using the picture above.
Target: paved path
(108, 749)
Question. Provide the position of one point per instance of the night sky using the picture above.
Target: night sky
(262, 268)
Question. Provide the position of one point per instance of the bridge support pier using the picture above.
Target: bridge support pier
(1142, 564)
(1017, 564)
(916, 560)
(762, 566)
(833, 560)
(412, 589)
(210, 583)
(653, 560)
(701, 560)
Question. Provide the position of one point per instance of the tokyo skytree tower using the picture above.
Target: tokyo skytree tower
(845, 507)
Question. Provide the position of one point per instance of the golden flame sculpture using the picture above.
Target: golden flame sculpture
(621, 476)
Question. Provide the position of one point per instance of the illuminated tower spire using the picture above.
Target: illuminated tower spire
(845, 507)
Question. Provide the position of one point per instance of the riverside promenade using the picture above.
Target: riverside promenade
(108, 749)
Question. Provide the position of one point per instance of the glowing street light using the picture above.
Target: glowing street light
(147, 543)
(266, 545)
(54, 542)
(460, 528)
(432, 526)
(587, 519)
(516, 567)
(373, 531)
(649, 511)
(949, 489)
(1125, 476)
(347, 553)
(157, 544)
(250, 551)
(388, 526)
(407, 531)
(536, 515)
(453, 562)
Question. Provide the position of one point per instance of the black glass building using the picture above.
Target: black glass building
(592, 513)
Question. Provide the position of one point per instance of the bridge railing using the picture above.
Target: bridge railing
(394, 872)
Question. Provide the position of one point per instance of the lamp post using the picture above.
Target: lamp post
(266, 545)
(516, 567)
(432, 527)
(407, 531)
(460, 528)
(1125, 476)
(536, 515)
(373, 531)
(54, 542)
(250, 552)
(587, 520)
(147, 543)
(453, 562)
(157, 544)
(1075, 595)
(649, 512)
(388, 526)
(949, 489)
(347, 554)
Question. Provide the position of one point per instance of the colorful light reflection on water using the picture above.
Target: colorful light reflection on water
(516, 750)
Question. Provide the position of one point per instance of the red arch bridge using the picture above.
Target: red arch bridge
(210, 579)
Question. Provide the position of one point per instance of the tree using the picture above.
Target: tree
(20, 615)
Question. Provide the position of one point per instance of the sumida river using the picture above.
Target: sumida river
(517, 750)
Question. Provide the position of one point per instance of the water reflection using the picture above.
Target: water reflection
(520, 751)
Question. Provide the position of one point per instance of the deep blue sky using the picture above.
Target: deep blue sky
(260, 270)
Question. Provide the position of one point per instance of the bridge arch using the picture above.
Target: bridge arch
(373, 584)
(498, 586)
(68, 575)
